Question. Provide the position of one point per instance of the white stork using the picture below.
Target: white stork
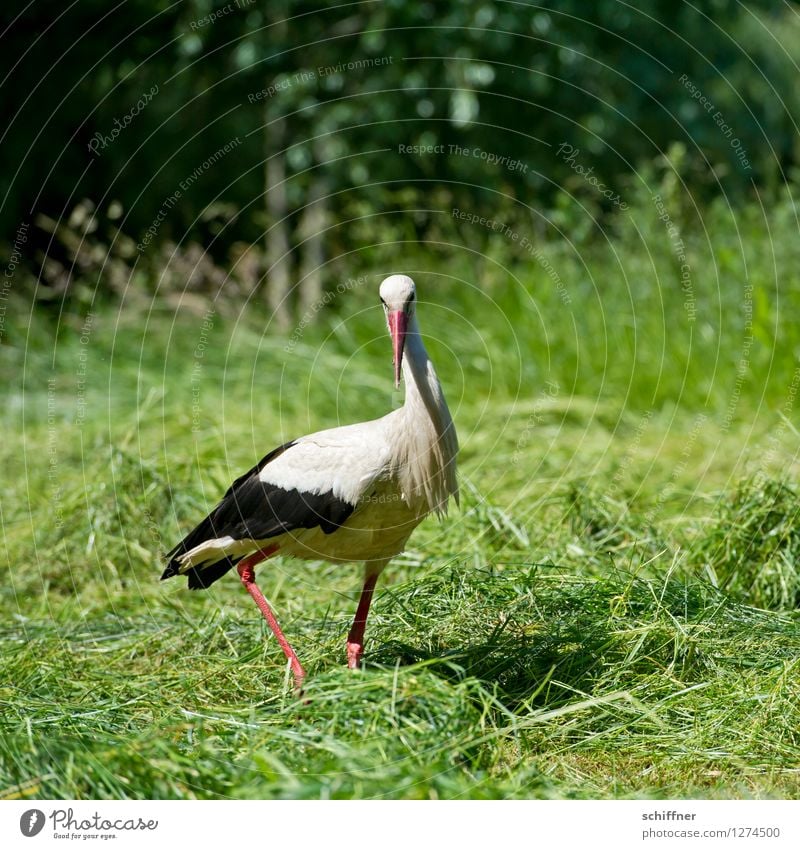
(346, 494)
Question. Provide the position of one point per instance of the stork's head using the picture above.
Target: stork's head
(398, 294)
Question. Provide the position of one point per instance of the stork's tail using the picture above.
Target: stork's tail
(203, 575)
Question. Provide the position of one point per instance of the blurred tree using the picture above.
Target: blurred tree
(268, 123)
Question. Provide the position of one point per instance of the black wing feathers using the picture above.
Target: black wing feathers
(256, 509)
(201, 578)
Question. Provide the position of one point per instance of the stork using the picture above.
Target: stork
(352, 493)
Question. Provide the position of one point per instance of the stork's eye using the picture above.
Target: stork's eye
(385, 305)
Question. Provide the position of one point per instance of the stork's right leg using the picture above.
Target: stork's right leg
(355, 639)
(247, 573)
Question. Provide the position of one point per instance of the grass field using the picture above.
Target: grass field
(612, 612)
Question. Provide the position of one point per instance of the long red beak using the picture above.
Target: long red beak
(398, 324)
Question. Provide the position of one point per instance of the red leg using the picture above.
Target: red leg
(355, 639)
(247, 573)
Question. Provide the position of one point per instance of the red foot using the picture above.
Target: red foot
(355, 639)
(354, 653)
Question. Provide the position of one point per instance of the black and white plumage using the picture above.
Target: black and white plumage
(352, 493)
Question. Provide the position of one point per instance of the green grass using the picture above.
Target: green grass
(525, 682)
(613, 611)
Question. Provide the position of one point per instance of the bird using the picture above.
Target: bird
(353, 493)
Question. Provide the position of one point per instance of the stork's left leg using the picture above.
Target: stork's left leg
(355, 639)
(247, 573)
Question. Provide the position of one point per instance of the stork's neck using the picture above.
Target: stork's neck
(425, 418)
(424, 394)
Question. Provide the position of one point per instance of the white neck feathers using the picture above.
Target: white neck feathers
(426, 444)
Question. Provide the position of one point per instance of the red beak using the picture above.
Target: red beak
(398, 324)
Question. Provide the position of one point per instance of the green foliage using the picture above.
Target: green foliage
(347, 86)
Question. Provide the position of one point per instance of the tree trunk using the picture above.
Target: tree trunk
(277, 243)
(312, 235)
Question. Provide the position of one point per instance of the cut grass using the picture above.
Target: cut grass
(611, 613)
(752, 545)
(529, 682)
(573, 649)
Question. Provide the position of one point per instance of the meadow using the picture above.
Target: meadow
(612, 612)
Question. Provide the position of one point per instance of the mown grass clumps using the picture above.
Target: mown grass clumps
(751, 545)
(479, 684)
